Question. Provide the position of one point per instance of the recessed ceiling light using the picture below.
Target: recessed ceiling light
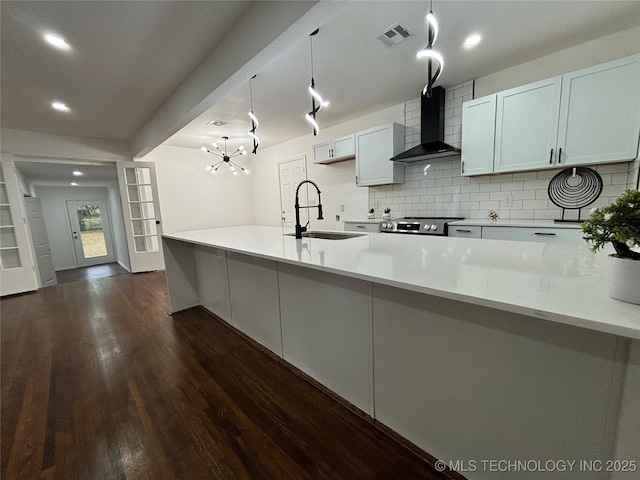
(56, 41)
(60, 106)
(472, 40)
(74, 184)
(77, 173)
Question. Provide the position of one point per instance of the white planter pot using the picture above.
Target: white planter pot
(623, 279)
(371, 216)
(386, 216)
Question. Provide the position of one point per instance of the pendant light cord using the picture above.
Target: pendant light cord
(311, 49)
(251, 94)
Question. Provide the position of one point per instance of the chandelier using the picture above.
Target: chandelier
(225, 158)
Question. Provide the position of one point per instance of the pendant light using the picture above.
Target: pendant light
(254, 121)
(225, 158)
(430, 54)
(315, 96)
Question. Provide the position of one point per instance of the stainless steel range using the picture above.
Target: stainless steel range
(418, 225)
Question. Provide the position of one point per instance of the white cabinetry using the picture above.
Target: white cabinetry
(360, 227)
(465, 231)
(527, 126)
(255, 307)
(600, 113)
(478, 134)
(532, 234)
(327, 331)
(586, 117)
(374, 147)
(335, 150)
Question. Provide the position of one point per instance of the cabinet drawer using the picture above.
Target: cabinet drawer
(532, 234)
(361, 227)
(465, 231)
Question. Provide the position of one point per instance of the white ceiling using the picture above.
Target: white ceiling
(358, 75)
(129, 57)
(59, 174)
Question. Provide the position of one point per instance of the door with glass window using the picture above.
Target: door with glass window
(91, 232)
(139, 194)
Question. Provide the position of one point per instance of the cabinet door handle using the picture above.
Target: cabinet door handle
(560, 155)
(462, 167)
(545, 234)
(359, 226)
(463, 231)
(551, 157)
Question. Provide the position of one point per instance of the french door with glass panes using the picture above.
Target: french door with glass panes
(139, 193)
(91, 232)
(17, 269)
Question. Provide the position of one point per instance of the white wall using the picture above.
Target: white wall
(54, 207)
(600, 50)
(192, 198)
(25, 143)
(117, 224)
(336, 181)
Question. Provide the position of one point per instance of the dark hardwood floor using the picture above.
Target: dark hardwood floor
(98, 382)
(88, 273)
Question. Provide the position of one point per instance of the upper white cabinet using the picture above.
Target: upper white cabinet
(374, 147)
(527, 126)
(581, 118)
(600, 114)
(479, 120)
(342, 148)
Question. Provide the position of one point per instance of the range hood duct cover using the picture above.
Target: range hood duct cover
(431, 131)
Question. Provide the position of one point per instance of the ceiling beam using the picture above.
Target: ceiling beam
(265, 31)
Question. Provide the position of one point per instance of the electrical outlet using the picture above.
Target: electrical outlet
(342, 207)
(508, 201)
(337, 218)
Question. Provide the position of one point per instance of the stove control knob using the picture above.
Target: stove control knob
(386, 225)
(434, 227)
(426, 227)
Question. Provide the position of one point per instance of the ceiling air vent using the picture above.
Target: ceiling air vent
(394, 34)
(217, 123)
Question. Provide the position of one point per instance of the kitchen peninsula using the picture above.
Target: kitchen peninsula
(471, 349)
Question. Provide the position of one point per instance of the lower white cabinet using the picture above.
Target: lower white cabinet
(361, 227)
(459, 380)
(213, 281)
(255, 306)
(374, 147)
(531, 234)
(326, 330)
(465, 232)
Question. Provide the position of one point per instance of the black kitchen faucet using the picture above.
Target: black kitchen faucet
(299, 228)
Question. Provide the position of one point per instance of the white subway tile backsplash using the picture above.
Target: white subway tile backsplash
(509, 186)
(443, 191)
(535, 204)
(535, 184)
(480, 197)
(489, 187)
(524, 194)
(442, 182)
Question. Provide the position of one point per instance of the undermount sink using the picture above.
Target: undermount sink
(327, 235)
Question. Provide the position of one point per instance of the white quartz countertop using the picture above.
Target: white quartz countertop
(555, 282)
(514, 223)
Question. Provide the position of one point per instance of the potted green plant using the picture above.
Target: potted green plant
(387, 214)
(618, 224)
(371, 214)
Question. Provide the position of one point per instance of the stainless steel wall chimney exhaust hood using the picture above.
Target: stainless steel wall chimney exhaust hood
(431, 131)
